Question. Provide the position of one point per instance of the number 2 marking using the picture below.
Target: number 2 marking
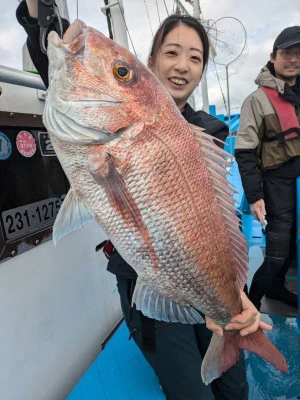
(10, 228)
(49, 146)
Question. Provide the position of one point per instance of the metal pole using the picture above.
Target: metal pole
(20, 78)
(205, 102)
(197, 10)
(63, 8)
(228, 100)
(228, 108)
(118, 22)
(27, 64)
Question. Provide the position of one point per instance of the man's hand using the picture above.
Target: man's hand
(259, 211)
(248, 321)
(32, 8)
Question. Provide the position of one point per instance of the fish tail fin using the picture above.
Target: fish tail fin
(259, 344)
(223, 353)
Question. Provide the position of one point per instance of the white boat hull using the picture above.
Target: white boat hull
(57, 307)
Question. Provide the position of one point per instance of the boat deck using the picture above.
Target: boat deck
(121, 373)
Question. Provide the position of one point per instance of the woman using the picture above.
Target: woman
(175, 351)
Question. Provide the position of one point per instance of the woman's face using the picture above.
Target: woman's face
(179, 63)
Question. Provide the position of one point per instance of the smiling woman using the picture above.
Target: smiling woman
(179, 66)
(178, 56)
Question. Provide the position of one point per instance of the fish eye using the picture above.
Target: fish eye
(122, 72)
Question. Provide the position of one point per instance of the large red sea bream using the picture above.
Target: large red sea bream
(154, 183)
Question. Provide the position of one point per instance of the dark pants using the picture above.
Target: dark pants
(280, 200)
(177, 357)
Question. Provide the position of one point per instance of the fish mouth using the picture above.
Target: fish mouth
(74, 31)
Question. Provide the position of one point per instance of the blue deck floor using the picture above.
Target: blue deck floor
(121, 373)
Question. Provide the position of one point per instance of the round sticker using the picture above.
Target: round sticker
(26, 144)
(5, 146)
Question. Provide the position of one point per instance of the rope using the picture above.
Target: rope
(123, 16)
(224, 101)
(148, 17)
(166, 7)
(158, 12)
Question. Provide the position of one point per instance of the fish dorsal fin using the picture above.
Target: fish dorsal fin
(218, 161)
(153, 305)
(72, 215)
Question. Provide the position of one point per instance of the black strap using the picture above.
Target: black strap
(46, 12)
(281, 136)
(148, 333)
(147, 324)
(48, 15)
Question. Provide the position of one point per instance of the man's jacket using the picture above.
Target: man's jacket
(254, 152)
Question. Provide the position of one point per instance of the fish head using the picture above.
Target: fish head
(97, 89)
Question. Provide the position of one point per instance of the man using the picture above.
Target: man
(268, 155)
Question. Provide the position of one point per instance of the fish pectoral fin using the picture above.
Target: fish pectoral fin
(153, 305)
(72, 215)
(104, 170)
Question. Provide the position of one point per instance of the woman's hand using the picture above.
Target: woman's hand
(248, 321)
(32, 8)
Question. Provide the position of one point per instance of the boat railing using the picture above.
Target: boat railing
(21, 78)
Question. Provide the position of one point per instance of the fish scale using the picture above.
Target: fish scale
(155, 184)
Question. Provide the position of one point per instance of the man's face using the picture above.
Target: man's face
(287, 64)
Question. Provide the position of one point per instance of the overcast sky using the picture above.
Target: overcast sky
(256, 21)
